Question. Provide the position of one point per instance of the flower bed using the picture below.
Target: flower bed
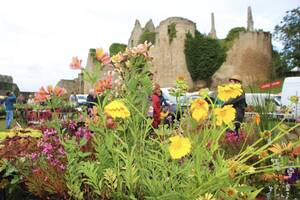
(113, 152)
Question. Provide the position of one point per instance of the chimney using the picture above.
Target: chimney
(250, 22)
(213, 33)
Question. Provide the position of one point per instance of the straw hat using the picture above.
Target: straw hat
(236, 77)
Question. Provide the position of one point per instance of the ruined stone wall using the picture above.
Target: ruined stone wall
(169, 58)
(250, 57)
(135, 34)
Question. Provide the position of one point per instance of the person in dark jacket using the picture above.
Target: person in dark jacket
(91, 100)
(162, 100)
(9, 102)
(239, 104)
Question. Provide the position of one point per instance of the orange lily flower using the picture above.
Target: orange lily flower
(58, 91)
(50, 89)
(104, 84)
(76, 63)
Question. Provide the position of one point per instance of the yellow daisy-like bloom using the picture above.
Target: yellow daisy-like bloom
(199, 109)
(225, 114)
(179, 147)
(207, 196)
(117, 109)
(229, 91)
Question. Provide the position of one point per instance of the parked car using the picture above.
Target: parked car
(81, 99)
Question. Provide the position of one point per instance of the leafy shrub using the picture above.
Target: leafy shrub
(147, 36)
(116, 48)
(232, 34)
(204, 55)
(172, 31)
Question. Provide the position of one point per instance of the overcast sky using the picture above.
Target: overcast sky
(39, 37)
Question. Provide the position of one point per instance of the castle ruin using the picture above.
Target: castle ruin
(250, 55)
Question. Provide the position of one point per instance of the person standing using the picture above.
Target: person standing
(9, 107)
(91, 100)
(239, 104)
(73, 99)
(156, 105)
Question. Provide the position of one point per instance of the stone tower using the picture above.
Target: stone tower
(213, 33)
(250, 23)
(168, 56)
(135, 34)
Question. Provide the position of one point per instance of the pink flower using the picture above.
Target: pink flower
(76, 63)
(62, 167)
(61, 151)
(33, 156)
(87, 135)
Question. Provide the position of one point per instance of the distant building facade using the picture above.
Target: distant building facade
(7, 84)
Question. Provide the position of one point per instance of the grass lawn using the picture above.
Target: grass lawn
(2, 124)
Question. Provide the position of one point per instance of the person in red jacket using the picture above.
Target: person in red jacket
(156, 105)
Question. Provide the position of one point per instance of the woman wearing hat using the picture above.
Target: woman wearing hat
(239, 103)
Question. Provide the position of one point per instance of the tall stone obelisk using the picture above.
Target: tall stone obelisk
(250, 23)
(213, 33)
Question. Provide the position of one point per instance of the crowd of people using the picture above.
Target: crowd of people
(159, 109)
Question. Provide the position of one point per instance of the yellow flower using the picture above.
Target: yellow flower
(179, 147)
(117, 58)
(294, 99)
(231, 191)
(116, 109)
(199, 109)
(263, 154)
(163, 115)
(99, 53)
(207, 196)
(256, 119)
(225, 114)
(229, 91)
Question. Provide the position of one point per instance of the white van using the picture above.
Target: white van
(291, 87)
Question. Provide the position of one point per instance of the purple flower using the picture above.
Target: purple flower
(47, 148)
(33, 156)
(61, 151)
(62, 167)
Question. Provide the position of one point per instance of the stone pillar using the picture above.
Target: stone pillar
(213, 33)
(250, 23)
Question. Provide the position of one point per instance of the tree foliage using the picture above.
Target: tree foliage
(204, 55)
(232, 34)
(147, 36)
(288, 32)
(116, 48)
(279, 66)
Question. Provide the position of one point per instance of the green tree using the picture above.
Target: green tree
(116, 48)
(279, 66)
(288, 32)
(147, 36)
(232, 34)
(204, 55)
